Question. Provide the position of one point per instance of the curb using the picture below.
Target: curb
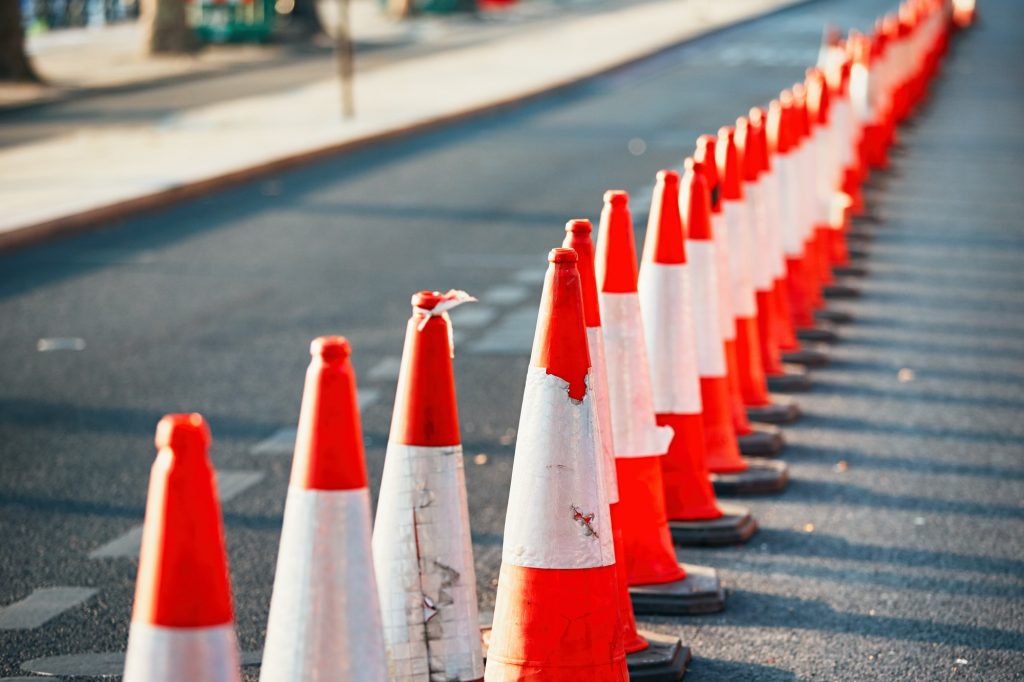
(105, 216)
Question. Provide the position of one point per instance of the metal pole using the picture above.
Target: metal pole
(345, 59)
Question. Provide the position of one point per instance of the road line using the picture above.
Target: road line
(489, 261)
(386, 369)
(512, 335)
(108, 664)
(472, 316)
(281, 443)
(47, 345)
(530, 276)
(42, 605)
(230, 484)
(505, 294)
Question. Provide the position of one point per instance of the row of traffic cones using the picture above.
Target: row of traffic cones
(647, 385)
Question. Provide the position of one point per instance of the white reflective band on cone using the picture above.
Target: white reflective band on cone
(860, 93)
(634, 431)
(741, 266)
(667, 309)
(164, 654)
(721, 235)
(423, 556)
(599, 373)
(804, 190)
(557, 513)
(773, 200)
(789, 214)
(821, 177)
(761, 244)
(324, 614)
(710, 349)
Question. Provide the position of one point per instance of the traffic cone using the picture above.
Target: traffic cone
(649, 655)
(760, 405)
(791, 299)
(695, 517)
(732, 474)
(720, 158)
(659, 584)
(325, 618)
(556, 616)
(772, 318)
(182, 623)
(422, 549)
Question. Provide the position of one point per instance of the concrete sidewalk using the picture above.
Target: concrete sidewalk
(102, 172)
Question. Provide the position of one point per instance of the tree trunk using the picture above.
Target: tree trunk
(167, 29)
(14, 62)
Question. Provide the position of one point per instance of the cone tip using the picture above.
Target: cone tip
(616, 197)
(668, 177)
(562, 255)
(579, 226)
(330, 348)
(182, 430)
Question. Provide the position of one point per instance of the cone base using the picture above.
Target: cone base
(764, 477)
(850, 270)
(823, 331)
(794, 379)
(839, 290)
(735, 526)
(699, 592)
(834, 316)
(764, 440)
(812, 355)
(664, 660)
(859, 254)
(781, 410)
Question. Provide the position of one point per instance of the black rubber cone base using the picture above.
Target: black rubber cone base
(823, 331)
(809, 355)
(834, 316)
(794, 379)
(781, 410)
(700, 592)
(764, 440)
(841, 290)
(764, 477)
(664, 660)
(850, 270)
(733, 527)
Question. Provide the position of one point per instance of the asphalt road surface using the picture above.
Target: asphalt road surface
(896, 553)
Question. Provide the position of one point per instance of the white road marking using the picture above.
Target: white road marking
(60, 343)
(505, 294)
(472, 316)
(488, 261)
(109, 664)
(530, 275)
(386, 369)
(42, 605)
(282, 441)
(230, 484)
(512, 335)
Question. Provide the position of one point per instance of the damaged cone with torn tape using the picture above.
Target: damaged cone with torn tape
(650, 656)
(720, 164)
(731, 474)
(556, 617)
(324, 618)
(694, 515)
(658, 582)
(422, 549)
(182, 623)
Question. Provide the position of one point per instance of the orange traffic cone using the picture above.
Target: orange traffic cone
(324, 613)
(649, 656)
(759, 404)
(722, 160)
(422, 549)
(556, 616)
(182, 623)
(733, 474)
(659, 583)
(695, 517)
(772, 318)
(792, 301)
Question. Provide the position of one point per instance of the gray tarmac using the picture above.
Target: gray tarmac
(895, 553)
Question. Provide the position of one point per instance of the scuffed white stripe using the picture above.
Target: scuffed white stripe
(667, 308)
(761, 245)
(710, 348)
(557, 513)
(324, 615)
(599, 372)
(162, 654)
(740, 257)
(634, 431)
(720, 233)
(423, 560)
